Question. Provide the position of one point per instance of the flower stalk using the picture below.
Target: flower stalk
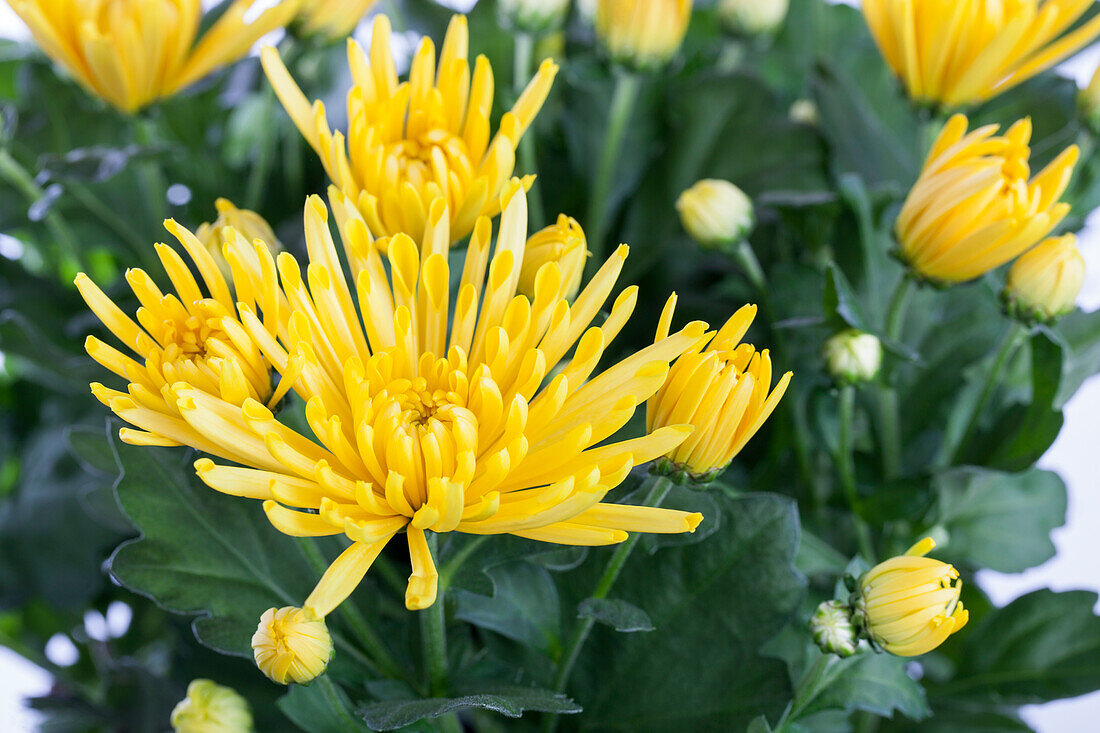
(1012, 338)
(338, 704)
(433, 635)
(523, 54)
(889, 428)
(847, 470)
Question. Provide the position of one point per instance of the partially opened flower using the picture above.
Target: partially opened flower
(720, 386)
(332, 19)
(910, 604)
(133, 52)
(188, 337)
(644, 34)
(976, 205)
(1044, 283)
(960, 52)
(291, 645)
(432, 416)
(562, 242)
(220, 234)
(409, 143)
(211, 708)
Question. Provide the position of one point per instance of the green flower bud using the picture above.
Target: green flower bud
(753, 17)
(533, 16)
(833, 630)
(853, 356)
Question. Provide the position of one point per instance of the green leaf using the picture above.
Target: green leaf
(841, 303)
(524, 606)
(511, 702)
(999, 520)
(876, 683)
(712, 605)
(1080, 333)
(616, 613)
(308, 709)
(202, 552)
(759, 725)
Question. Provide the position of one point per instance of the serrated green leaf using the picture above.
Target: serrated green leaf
(511, 702)
(524, 606)
(616, 613)
(307, 708)
(875, 683)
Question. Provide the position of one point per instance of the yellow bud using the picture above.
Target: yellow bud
(533, 16)
(645, 34)
(853, 356)
(332, 19)
(563, 243)
(248, 224)
(211, 708)
(1043, 284)
(716, 213)
(753, 17)
(290, 645)
(910, 604)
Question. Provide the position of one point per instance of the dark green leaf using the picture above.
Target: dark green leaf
(876, 683)
(511, 702)
(524, 606)
(308, 709)
(616, 613)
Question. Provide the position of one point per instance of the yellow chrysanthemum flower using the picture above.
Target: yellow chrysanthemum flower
(974, 208)
(1044, 283)
(412, 142)
(719, 386)
(133, 52)
(184, 337)
(332, 19)
(960, 52)
(291, 645)
(221, 233)
(645, 34)
(433, 417)
(211, 708)
(910, 604)
(562, 242)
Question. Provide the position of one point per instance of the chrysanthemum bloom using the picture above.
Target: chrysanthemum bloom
(644, 34)
(960, 52)
(410, 143)
(719, 386)
(430, 416)
(562, 242)
(1044, 283)
(974, 208)
(186, 337)
(133, 52)
(220, 234)
(910, 604)
(332, 19)
(753, 17)
(211, 708)
(853, 356)
(291, 645)
(716, 213)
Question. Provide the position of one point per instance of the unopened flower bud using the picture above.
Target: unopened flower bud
(716, 213)
(833, 630)
(644, 34)
(291, 645)
(563, 243)
(805, 112)
(752, 17)
(211, 708)
(853, 356)
(910, 604)
(248, 224)
(533, 16)
(1043, 284)
(331, 19)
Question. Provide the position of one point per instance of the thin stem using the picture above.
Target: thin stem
(627, 86)
(338, 704)
(150, 176)
(109, 217)
(814, 680)
(1008, 345)
(447, 572)
(433, 637)
(659, 488)
(528, 156)
(21, 180)
(746, 257)
(257, 177)
(847, 470)
(889, 427)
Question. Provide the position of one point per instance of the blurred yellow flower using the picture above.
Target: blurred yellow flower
(133, 52)
(184, 337)
(960, 52)
(910, 604)
(974, 207)
(562, 242)
(1044, 283)
(211, 708)
(433, 417)
(753, 17)
(219, 235)
(720, 387)
(716, 213)
(410, 143)
(644, 34)
(332, 19)
(291, 645)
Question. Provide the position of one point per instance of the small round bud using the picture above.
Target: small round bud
(1044, 282)
(563, 243)
(533, 16)
(752, 18)
(716, 213)
(211, 708)
(833, 630)
(290, 645)
(805, 112)
(643, 34)
(853, 356)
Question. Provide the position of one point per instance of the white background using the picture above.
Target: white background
(1073, 456)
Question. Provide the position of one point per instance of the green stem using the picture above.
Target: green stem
(141, 246)
(847, 469)
(528, 156)
(257, 177)
(433, 637)
(150, 176)
(627, 86)
(393, 12)
(1008, 345)
(746, 257)
(447, 572)
(659, 488)
(814, 680)
(338, 704)
(889, 427)
(21, 179)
